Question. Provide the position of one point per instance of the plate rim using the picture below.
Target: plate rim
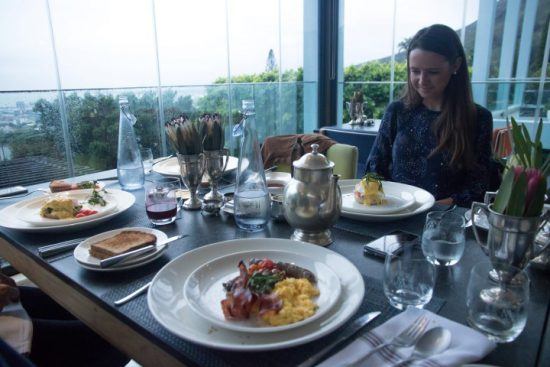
(424, 206)
(267, 329)
(123, 205)
(353, 289)
(147, 258)
(159, 166)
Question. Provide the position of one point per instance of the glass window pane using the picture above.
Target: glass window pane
(22, 66)
(104, 44)
(192, 41)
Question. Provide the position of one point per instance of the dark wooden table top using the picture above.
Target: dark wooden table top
(83, 292)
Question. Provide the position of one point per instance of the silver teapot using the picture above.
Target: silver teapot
(312, 199)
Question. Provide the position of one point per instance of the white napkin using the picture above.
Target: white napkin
(16, 327)
(467, 345)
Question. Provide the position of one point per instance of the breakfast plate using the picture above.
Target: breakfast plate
(169, 307)
(277, 179)
(83, 257)
(394, 203)
(123, 199)
(204, 290)
(30, 212)
(171, 167)
(423, 201)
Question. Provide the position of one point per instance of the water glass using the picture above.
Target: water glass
(443, 238)
(497, 309)
(160, 200)
(408, 277)
(147, 159)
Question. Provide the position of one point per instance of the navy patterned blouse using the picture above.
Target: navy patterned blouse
(404, 158)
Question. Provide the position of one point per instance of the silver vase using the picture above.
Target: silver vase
(192, 169)
(215, 168)
(510, 241)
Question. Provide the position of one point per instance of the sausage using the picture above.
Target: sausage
(295, 271)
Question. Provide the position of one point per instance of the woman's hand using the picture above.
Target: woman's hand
(446, 201)
(9, 292)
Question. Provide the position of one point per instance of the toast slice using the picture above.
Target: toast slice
(122, 242)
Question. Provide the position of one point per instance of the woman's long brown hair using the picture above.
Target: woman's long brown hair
(454, 127)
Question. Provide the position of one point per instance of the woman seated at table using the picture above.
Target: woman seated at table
(51, 337)
(435, 137)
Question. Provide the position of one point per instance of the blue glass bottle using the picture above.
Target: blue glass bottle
(129, 165)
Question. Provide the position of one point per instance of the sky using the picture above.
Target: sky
(111, 43)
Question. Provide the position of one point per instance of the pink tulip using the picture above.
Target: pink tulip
(534, 179)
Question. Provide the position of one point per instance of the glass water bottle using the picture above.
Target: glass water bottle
(252, 203)
(129, 165)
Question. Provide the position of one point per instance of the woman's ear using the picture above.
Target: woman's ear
(456, 65)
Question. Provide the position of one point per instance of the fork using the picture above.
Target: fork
(405, 339)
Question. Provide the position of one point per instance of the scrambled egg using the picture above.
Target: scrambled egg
(297, 296)
(58, 209)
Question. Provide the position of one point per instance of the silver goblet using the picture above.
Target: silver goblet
(215, 168)
(192, 169)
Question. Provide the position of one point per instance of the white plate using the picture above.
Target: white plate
(277, 178)
(204, 290)
(30, 212)
(83, 257)
(8, 220)
(423, 202)
(395, 202)
(169, 307)
(171, 167)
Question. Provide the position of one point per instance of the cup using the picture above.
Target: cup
(147, 159)
(409, 277)
(160, 200)
(497, 309)
(443, 238)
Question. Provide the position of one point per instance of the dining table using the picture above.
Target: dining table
(131, 327)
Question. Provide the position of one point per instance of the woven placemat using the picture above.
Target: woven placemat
(137, 309)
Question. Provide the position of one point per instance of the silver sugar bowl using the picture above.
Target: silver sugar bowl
(312, 199)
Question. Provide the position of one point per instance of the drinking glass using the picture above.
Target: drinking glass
(497, 309)
(408, 277)
(160, 200)
(147, 159)
(443, 238)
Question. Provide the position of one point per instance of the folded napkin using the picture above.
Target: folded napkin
(467, 345)
(16, 327)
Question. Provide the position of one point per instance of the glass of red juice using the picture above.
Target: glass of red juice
(160, 200)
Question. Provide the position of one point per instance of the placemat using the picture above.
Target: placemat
(374, 300)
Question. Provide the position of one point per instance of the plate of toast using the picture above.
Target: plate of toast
(116, 242)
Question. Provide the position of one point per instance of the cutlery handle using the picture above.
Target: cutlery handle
(118, 258)
(311, 361)
(132, 295)
(362, 359)
(51, 250)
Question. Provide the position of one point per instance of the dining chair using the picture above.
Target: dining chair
(344, 156)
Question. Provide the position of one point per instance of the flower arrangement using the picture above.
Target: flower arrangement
(190, 138)
(211, 130)
(521, 193)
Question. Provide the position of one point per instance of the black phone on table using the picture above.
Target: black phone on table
(397, 238)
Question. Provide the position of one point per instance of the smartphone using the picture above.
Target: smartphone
(400, 238)
(11, 191)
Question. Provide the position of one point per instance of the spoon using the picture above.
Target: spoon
(434, 341)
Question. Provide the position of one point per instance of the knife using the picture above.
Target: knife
(350, 331)
(110, 261)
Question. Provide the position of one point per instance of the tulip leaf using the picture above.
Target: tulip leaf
(516, 203)
(504, 192)
(539, 131)
(537, 203)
